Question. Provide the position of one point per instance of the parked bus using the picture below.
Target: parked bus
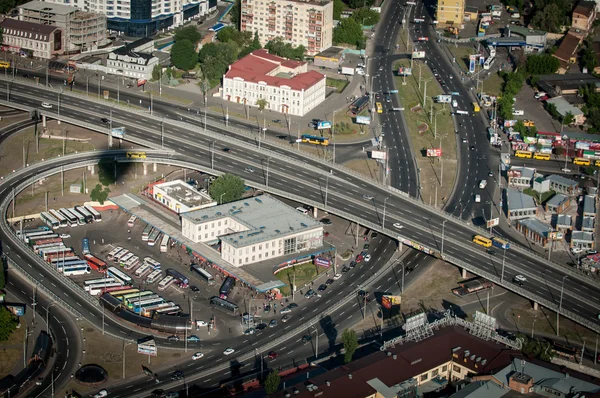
(85, 246)
(203, 274)
(141, 306)
(39, 235)
(131, 263)
(120, 293)
(95, 263)
(43, 228)
(54, 263)
(153, 237)
(581, 161)
(85, 213)
(226, 287)
(153, 263)
(154, 276)
(61, 219)
(500, 243)
(49, 257)
(541, 156)
(44, 241)
(131, 221)
(164, 244)
(314, 139)
(146, 233)
(118, 274)
(172, 310)
(80, 217)
(123, 260)
(135, 295)
(135, 301)
(99, 289)
(38, 248)
(145, 268)
(113, 252)
(49, 220)
(97, 281)
(117, 257)
(183, 280)
(62, 265)
(136, 298)
(95, 214)
(523, 154)
(116, 289)
(70, 217)
(165, 282)
(379, 107)
(224, 305)
(76, 270)
(483, 241)
(147, 311)
(103, 285)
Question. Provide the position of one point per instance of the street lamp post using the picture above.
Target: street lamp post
(443, 230)
(384, 204)
(562, 290)
(503, 263)
(47, 316)
(212, 155)
(326, 189)
(125, 345)
(317, 344)
(533, 327)
(267, 175)
(402, 287)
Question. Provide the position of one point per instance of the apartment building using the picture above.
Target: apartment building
(142, 18)
(82, 30)
(451, 12)
(298, 22)
(584, 15)
(31, 39)
(286, 85)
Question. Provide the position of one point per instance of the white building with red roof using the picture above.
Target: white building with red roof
(287, 86)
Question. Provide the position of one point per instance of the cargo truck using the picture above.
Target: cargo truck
(347, 71)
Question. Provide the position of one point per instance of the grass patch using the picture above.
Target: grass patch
(461, 55)
(338, 84)
(367, 167)
(540, 198)
(492, 84)
(11, 351)
(305, 273)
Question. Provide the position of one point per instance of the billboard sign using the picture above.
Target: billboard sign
(444, 99)
(363, 120)
(418, 54)
(378, 155)
(434, 152)
(322, 262)
(404, 71)
(16, 309)
(389, 301)
(472, 60)
(147, 347)
(493, 222)
(118, 132)
(141, 82)
(323, 124)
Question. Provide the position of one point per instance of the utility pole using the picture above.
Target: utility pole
(333, 136)
(384, 205)
(212, 155)
(162, 133)
(443, 230)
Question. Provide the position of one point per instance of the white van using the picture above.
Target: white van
(482, 184)
(454, 104)
(477, 199)
(302, 210)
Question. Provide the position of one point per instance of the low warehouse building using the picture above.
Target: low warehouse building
(331, 58)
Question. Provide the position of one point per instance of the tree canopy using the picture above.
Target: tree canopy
(235, 13)
(8, 323)
(551, 15)
(542, 64)
(99, 195)
(588, 56)
(106, 171)
(278, 47)
(365, 16)
(513, 83)
(183, 54)
(350, 341)
(349, 31)
(227, 188)
(338, 7)
(272, 383)
(359, 3)
(188, 33)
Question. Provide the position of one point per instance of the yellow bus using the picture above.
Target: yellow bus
(475, 107)
(4, 64)
(581, 161)
(379, 107)
(482, 240)
(541, 156)
(136, 155)
(523, 154)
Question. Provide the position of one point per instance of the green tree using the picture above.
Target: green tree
(230, 34)
(542, 64)
(262, 104)
(551, 108)
(365, 16)
(278, 47)
(338, 7)
(227, 188)
(588, 56)
(551, 16)
(350, 32)
(272, 383)
(99, 195)
(156, 72)
(106, 171)
(2, 273)
(536, 348)
(235, 13)
(350, 341)
(568, 119)
(183, 54)
(359, 3)
(8, 323)
(188, 33)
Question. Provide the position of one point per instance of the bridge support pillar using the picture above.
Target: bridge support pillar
(464, 273)
(44, 121)
(92, 169)
(110, 141)
(315, 212)
(154, 167)
(145, 168)
(536, 306)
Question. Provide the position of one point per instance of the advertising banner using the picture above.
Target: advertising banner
(530, 140)
(118, 132)
(322, 262)
(403, 71)
(16, 309)
(472, 60)
(323, 124)
(418, 54)
(548, 141)
(493, 222)
(141, 82)
(389, 301)
(147, 347)
(582, 145)
(363, 120)
(434, 152)
(75, 188)
(378, 155)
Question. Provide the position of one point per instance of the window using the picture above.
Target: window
(456, 368)
(444, 368)
(434, 373)
(424, 377)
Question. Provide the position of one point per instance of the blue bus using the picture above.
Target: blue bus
(85, 246)
(226, 287)
(500, 243)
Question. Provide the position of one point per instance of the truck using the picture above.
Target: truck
(443, 99)
(347, 71)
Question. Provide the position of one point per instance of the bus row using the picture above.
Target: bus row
(487, 242)
(145, 303)
(152, 235)
(546, 156)
(74, 216)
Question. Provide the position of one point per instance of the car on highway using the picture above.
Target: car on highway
(272, 355)
(388, 98)
(177, 375)
(193, 339)
(228, 351)
(323, 287)
(397, 225)
(285, 318)
(197, 356)
(249, 331)
(276, 120)
(374, 234)
(273, 323)
(345, 269)
(172, 394)
(408, 270)
(285, 311)
(490, 174)
(352, 264)
(464, 140)
(173, 338)
(261, 326)
(309, 294)
(282, 137)
(368, 258)
(366, 246)
(337, 276)
(519, 280)
(367, 197)
(46, 105)
(65, 236)
(491, 252)
(159, 392)
(472, 147)
(194, 288)
(105, 120)
(293, 305)
(329, 281)
(101, 394)
(477, 198)
(249, 169)
(228, 150)
(306, 338)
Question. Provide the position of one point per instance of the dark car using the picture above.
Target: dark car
(326, 221)
(194, 288)
(261, 326)
(366, 246)
(345, 269)
(267, 308)
(25, 75)
(309, 294)
(105, 120)
(276, 120)
(329, 281)
(374, 235)
(227, 150)
(362, 293)
(282, 137)
(177, 375)
(472, 147)
(352, 264)
(322, 288)
(306, 338)
(173, 338)
(272, 355)
(408, 270)
(293, 305)
(159, 392)
(491, 252)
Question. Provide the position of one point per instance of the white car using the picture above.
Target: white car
(360, 72)
(65, 236)
(197, 355)
(477, 198)
(337, 276)
(576, 250)
(518, 112)
(201, 323)
(48, 106)
(367, 258)
(228, 351)
(101, 394)
(397, 225)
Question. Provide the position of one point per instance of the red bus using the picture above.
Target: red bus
(44, 241)
(95, 263)
(66, 253)
(115, 288)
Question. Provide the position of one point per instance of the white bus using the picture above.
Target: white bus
(65, 251)
(131, 221)
(203, 274)
(165, 283)
(33, 236)
(146, 233)
(95, 281)
(49, 220)
(85, 213)
(38, 248)
(95, 214)
(77, 270)
(120, 275)
(133, 301)
(61, 219)
(153, 263)
(102, 285)
(113, 252)
(156, 307)
(62, 265)
(143, 270)
(462, 112)
(70, 217)
(117, 257)
(123, 260)
(131, 263)
(169, 310)
(154, 276)
(80, 218)
(164, 244)
(153, 237)
(147, 303)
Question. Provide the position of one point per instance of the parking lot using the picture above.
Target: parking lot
(534, 110)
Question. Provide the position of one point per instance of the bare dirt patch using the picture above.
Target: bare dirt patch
(367, 167)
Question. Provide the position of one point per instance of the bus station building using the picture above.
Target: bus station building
(181, 197)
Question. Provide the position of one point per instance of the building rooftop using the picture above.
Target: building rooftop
(536, 226)
(184, 193)
(27, 28)
(526, 172)
(265, 218)
(563, 106)
(557, 200)
(582, 236)
(480, 389)
(131, 48)
(564, 220)
(518, 200)
(567, 48)
(524, 31)
(587, 222)
(364, 377)
(569, 81)
(589, 204)
(50, 8)
(562, 180)
(259, 66)
(331, 52)
(585, 8)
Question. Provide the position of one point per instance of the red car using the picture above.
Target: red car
(359, 258)
(272, 355)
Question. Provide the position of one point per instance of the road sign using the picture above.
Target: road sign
(378, 155)
(323, 124)
(403, 71)
(418, 54)
(363, 120)
(147, 347)
(118, 132)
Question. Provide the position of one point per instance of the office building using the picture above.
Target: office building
(134, 60)
(298, 22)
(82, 30)
(286, 85)
(181, 197)
(31, 39)
(253, 230)
(451, 12)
